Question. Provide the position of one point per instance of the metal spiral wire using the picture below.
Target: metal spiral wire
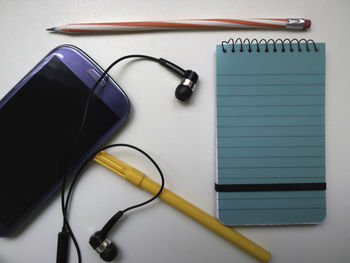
(237, 45)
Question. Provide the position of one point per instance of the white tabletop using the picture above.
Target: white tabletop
(181, 138)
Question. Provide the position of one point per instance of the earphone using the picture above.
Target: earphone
(188, 83)
(99, 241)
(103, 246)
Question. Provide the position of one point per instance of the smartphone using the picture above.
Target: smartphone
(39, 124)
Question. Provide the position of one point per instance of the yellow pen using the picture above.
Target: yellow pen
(137, 178)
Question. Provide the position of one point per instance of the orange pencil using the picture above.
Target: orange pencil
(193, 24)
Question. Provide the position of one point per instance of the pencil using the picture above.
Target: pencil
(185, 24)
(137, 178)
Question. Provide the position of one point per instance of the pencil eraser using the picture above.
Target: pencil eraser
(307, 23)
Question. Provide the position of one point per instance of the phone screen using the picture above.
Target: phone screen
(38, 127)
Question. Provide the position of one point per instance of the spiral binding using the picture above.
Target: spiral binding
(285, 43)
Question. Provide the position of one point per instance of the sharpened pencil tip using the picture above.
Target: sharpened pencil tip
(50, 29)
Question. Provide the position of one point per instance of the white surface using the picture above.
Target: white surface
(181, 138)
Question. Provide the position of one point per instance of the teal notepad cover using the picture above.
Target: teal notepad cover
(271, 130)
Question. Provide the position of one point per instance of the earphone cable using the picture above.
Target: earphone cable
(83, 120)
(65, 201)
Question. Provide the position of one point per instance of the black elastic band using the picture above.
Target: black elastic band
(269, 187)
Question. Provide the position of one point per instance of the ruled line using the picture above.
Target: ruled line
(274, 95)
(275, 198)
(267, 146)
(272, 85)
(267, 167)
(272, 136)
(273, 177)
(271, 126)
(299, 156)
(286, 115)
(256, 126)
(269, 74)
(278, 146)
(272, 105)
(279, 208)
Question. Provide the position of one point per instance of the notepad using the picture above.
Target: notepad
(270, 132)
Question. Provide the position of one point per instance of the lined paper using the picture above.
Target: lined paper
(271, 130)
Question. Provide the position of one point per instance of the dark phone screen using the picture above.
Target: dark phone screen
(38, 127)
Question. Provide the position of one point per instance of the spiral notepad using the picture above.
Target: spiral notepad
(270, 132)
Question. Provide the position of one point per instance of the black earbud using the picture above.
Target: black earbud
(184, 91)
(189, 79)
(103, 246)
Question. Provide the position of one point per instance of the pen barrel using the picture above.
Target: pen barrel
(139, 179)
(207, 220)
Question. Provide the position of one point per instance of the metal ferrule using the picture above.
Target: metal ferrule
(295, 23)
(103, 246)
(189, 83)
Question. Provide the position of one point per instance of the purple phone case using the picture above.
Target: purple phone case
(112, 95)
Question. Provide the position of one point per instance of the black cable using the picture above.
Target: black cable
(83, 120)
(65, 203)
(108, 226)
(154, 163)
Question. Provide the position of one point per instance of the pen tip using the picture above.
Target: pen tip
(50, 29)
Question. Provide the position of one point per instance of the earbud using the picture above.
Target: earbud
(103, 246)
(184, 91)
(189, 78)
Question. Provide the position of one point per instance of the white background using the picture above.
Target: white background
(181, 138)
